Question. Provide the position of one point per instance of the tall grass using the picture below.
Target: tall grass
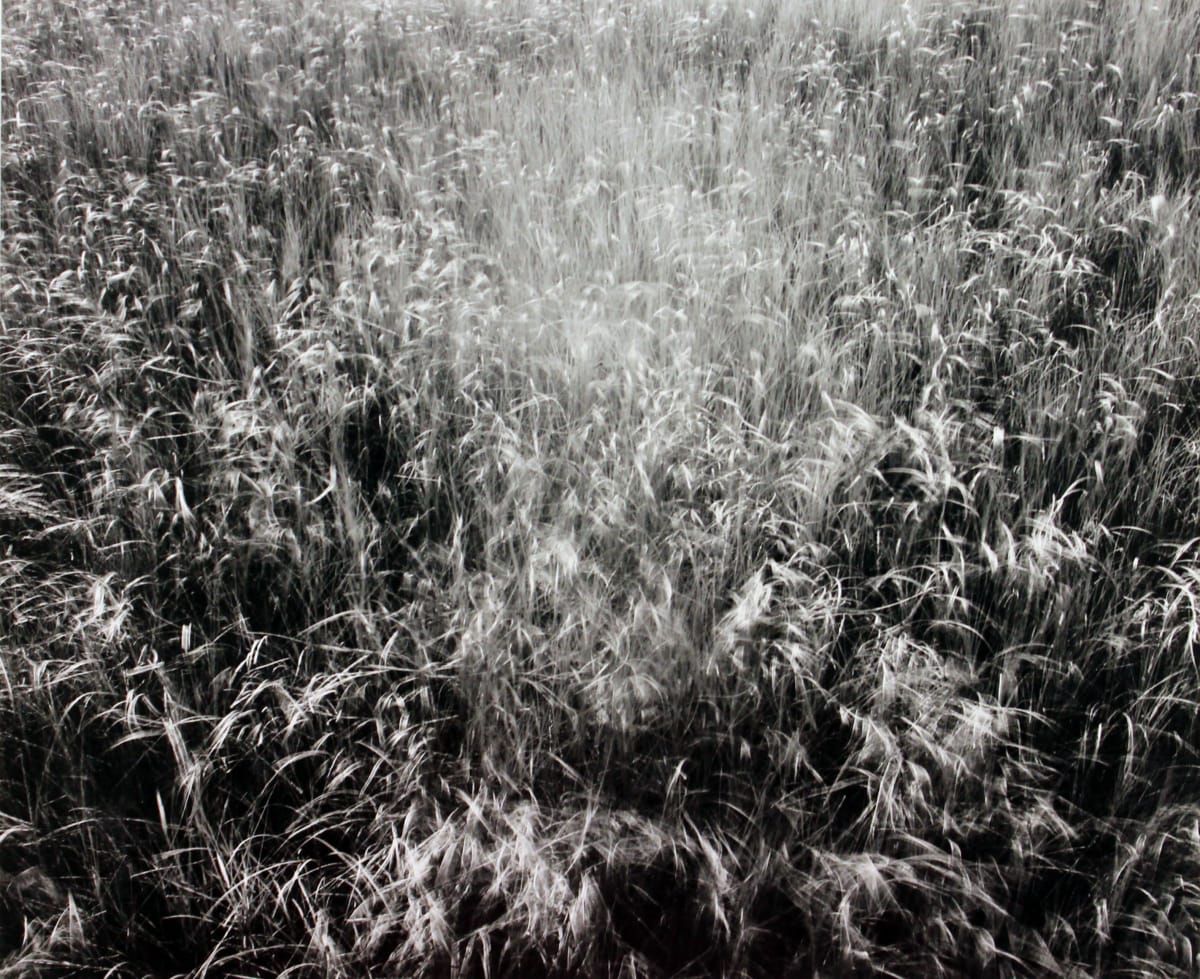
(600, 489)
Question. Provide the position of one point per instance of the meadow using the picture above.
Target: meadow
(584, 488)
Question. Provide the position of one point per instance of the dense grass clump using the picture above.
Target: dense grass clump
(600, 489)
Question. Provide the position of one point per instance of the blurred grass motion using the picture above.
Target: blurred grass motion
(600, 489)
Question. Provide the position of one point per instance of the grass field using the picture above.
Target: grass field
(599, 489)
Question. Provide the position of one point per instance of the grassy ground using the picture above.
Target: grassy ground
(600, 489)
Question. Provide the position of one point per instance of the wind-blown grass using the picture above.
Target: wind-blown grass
(600, 489)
